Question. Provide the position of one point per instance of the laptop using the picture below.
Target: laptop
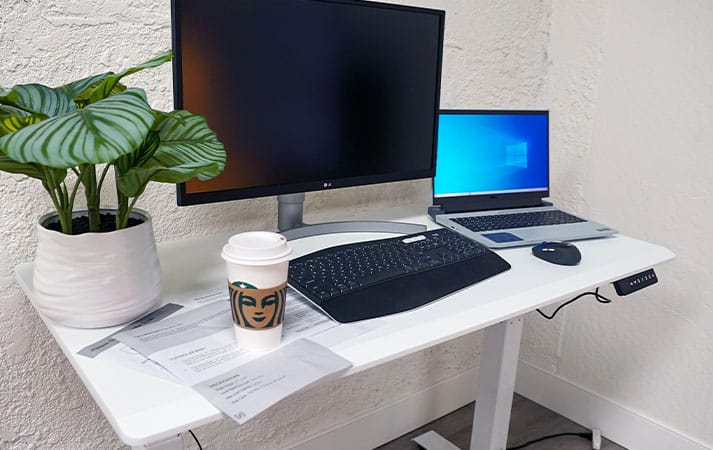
(492, 173)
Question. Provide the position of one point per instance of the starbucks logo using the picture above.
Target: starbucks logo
(257, 308)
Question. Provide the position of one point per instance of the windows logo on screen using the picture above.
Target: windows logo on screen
(516, 155)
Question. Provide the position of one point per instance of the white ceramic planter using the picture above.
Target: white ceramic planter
(95, 280)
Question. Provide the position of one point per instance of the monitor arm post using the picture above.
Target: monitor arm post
(290, 209)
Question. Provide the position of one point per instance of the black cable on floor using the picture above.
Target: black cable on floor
(200, 447)
(587, 436)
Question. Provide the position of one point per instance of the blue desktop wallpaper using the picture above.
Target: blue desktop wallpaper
(491, 153)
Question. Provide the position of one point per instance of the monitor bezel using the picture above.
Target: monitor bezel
(493, 201)
(185, 198)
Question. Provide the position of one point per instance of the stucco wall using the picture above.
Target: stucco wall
(630, 88)
(631, 84)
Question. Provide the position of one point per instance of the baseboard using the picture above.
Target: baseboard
(617, 423)
(379, 426)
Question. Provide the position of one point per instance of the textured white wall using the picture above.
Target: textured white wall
(630, 88)
(630, 85)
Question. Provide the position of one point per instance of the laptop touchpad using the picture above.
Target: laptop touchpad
(501, 237)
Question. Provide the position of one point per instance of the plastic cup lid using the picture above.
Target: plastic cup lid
(257, 248)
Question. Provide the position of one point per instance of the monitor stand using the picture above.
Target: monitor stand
(289, 222)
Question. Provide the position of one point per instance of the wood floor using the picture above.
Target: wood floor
(528, 421)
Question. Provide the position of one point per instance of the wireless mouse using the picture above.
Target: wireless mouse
(562, 253)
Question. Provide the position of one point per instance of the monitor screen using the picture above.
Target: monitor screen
(309, 94)
(492, 152)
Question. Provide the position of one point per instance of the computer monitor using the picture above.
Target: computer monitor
(309, 95)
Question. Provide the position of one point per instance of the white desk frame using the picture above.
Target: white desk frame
(148, 412)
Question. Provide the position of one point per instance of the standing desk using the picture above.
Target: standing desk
(147, 412)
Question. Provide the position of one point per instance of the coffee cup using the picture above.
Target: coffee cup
(256, 263)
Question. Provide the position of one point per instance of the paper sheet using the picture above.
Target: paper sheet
(113, 351)
(244, 392)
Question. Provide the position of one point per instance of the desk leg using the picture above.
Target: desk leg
(496, 385)
(174, 443)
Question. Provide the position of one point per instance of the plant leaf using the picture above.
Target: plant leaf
(153, 62)
(75, 88)
(13, 111)
(99, 133)
(107, 86)
(133, 182)
(39, 99)
(188, 149)
(186, 139)
(11, 123)
(8, 164)
(139, 157)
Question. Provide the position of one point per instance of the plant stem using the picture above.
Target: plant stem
(65, 193)
(75, 188)
(89, 180)
(128, 212)
(103, 175)
(122, 212)
(124, 207)
(61, 202)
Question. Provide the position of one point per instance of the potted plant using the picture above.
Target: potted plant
(98, 267)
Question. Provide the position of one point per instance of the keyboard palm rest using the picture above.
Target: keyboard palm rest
(372, 279)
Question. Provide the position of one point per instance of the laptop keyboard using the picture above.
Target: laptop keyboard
(516, 220)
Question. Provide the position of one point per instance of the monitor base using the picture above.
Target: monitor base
(289, 222)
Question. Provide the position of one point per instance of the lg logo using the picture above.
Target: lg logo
(327, 184)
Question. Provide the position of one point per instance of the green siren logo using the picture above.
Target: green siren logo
(255, 308)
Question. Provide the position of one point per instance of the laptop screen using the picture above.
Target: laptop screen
(491, 153)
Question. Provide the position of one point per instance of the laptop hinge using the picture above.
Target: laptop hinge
(489, 203)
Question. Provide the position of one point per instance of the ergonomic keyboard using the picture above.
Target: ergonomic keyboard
(516, 220)
(371, 279)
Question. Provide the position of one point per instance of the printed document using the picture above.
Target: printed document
(245, 391)
(200, 344)
(196, 345)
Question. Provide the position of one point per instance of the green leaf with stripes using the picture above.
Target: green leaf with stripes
(186, 139)
(8, 164)
(99, 133)
(11, 123)
(187, 149)
(97, 87)
(139, 157)
(76, 88)
(153, 62)
(135, 180)
(13, 111)
(109, 85)
(39, 99)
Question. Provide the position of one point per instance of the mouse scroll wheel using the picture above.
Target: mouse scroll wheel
(548, 249)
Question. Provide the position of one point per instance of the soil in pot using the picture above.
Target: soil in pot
(80, 224)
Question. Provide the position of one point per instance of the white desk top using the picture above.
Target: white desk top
(143, 409)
